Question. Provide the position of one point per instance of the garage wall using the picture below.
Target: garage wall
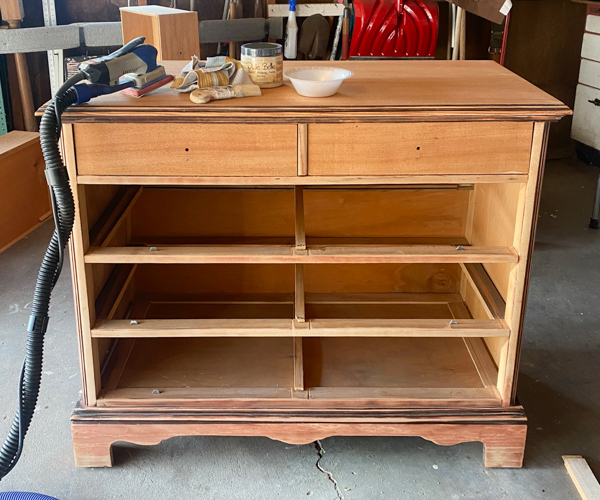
(544, 47)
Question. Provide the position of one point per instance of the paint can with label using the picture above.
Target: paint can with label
(263, 61)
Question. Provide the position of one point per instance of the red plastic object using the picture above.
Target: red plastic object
(395, 28)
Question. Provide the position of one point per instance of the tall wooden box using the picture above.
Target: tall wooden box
(24, 201)
(173, 32)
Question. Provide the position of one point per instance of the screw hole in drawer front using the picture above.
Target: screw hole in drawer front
(419, 148)
(196, 149)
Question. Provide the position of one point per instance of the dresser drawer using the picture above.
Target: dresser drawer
(186, 149)
(592, 24)
(419, 148)
(590, 49)
(589, 73)
(586, 117)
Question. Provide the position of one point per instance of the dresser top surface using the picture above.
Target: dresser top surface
(379, 88)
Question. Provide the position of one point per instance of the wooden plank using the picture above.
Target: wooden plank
(483, 363)
(155, 328)
(406, 394)
(116, 363)
(302, 149)
(524, 241)
(382, 298)
(406, 328)
(146, 149)
(313, 298)
(168, 394)
(83, 282)
(582, 476)
(299, 218)
(307, 10)
(113, 217)
(287, 180)
(184, 400)
(299, 309)
(274, 254)
(111, 295)
(298, 365)
(395, 149)
(485, 289)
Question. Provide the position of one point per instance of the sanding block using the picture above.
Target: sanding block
(147, 82)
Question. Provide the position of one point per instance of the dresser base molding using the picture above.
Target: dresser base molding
(501, 430)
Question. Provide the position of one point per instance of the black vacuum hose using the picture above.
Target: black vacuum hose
(64, 213)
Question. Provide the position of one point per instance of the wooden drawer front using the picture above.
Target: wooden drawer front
(186, 149)
(419, 148)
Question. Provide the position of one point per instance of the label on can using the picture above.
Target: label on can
(264, 71)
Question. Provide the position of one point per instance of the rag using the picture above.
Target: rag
(215, 72)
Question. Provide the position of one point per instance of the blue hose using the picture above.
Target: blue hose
(19, 495)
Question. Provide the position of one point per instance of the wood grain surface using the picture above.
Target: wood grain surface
(378, 91)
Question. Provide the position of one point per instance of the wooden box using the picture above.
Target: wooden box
(173, 32)
(24, 200)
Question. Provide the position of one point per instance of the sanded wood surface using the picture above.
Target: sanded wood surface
(173, 32)
(583, 477)
(378, 91)
(502, 434)
(388, 180)
(286, 254)
(192, 149)
(265, 327)
(424, 148)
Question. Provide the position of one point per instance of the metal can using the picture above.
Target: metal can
(263, 61)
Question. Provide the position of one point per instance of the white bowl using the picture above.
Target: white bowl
(317, 81)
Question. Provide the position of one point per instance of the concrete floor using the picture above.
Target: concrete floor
(559, 387)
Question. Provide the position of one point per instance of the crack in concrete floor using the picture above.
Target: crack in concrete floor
(321, 452)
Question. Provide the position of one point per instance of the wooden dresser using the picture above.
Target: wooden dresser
(302, 268)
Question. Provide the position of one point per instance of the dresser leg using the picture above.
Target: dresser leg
(91, 447)
(505, 452)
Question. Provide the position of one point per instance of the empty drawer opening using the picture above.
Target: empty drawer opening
(149, 216)
(216, 368)
(386, 215)
(443, 223)
(188, 292)
(269, 300)
(403, 368)
(416, 371)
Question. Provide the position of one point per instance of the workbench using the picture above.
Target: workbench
(302, 268)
